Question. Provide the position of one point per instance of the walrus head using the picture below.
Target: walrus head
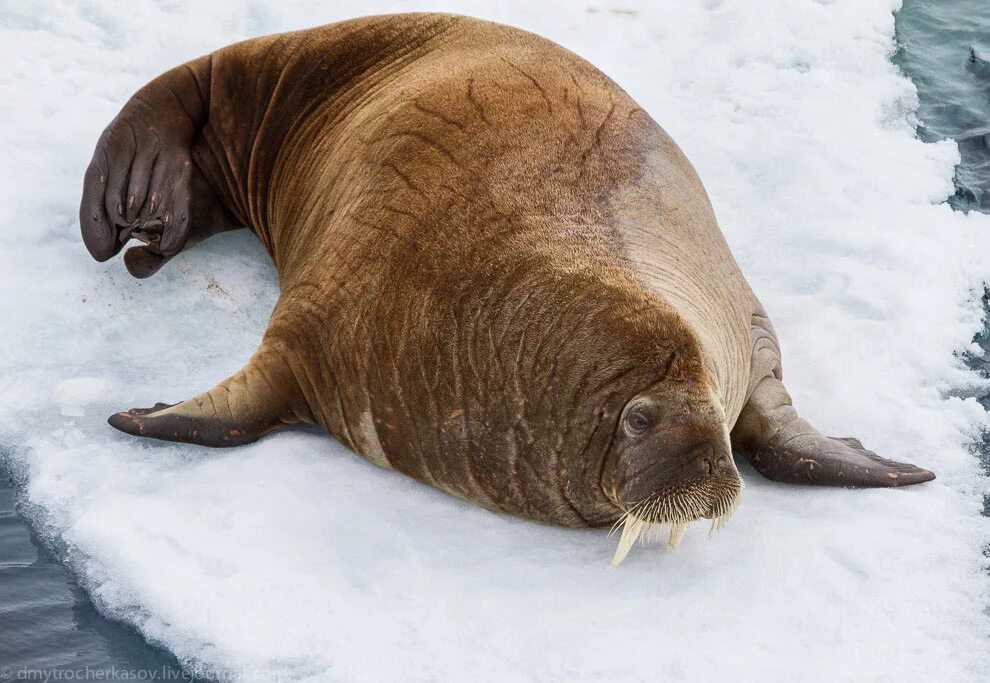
(670, 461)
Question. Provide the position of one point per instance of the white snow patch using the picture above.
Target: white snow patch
(293, 555)
(73, 394)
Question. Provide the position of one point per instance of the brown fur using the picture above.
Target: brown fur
(486, 251)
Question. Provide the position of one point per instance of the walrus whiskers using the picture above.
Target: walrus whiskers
(724, 509)
(524, 338)
(649, 519)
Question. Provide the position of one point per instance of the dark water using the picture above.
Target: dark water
(49, 625)
(944, 46)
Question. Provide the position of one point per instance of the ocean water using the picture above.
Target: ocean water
(945, 47)
(47, 622)
(291, 557)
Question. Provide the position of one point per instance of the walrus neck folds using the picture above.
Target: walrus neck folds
(538, 382)
(499, 275)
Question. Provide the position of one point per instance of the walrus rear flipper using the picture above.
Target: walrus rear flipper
(784, 447)
(258, 399)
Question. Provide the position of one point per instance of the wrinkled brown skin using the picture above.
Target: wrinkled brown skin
(490, 257)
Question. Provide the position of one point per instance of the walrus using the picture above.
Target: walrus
(498, 274)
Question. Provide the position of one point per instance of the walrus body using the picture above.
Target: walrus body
(498, 274)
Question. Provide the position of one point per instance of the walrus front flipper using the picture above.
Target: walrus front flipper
(258, 399)
(784, 447)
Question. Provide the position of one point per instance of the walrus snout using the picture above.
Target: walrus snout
(673, 465)
(667, 446)
(643, 476)
(709, 459)
(672, 507)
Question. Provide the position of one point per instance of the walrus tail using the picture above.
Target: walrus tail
(258, 399)
(785, 448)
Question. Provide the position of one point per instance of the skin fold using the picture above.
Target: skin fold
(498, 274)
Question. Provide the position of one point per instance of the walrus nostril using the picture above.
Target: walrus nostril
(709, 462)
(704, 463)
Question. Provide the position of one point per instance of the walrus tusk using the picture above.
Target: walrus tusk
(636, 528)
(631, 530)
(598, 331)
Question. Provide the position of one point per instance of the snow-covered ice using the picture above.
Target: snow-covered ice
(292, 555)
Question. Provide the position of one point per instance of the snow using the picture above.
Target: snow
(294, 558)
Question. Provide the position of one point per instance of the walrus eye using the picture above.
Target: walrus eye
(637, 423)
